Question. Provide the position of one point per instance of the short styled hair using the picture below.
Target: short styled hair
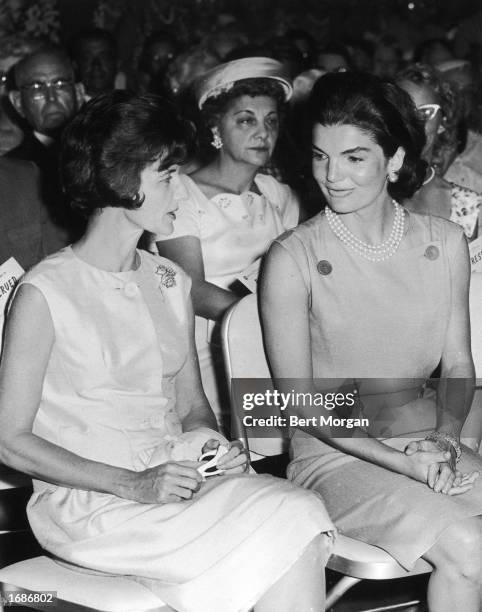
(111, 140)
(379, 108)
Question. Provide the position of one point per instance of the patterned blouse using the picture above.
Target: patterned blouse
(465, 207)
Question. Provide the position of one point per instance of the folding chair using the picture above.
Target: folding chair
(245, 358)
(38, 582)
(472, 426)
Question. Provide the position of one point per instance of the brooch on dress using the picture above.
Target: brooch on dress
(168, 276)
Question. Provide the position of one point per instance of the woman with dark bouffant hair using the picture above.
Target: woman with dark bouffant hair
(101, 399)
(231, 209)
(365, 300)
(446, 134)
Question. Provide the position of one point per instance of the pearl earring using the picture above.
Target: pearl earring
(216, 142)
(392, 177)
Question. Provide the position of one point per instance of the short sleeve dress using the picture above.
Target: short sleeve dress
(235, 231)
(109, 395)
(380, 326)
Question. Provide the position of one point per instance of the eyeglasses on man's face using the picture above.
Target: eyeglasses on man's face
(38, 89)
(426, 112)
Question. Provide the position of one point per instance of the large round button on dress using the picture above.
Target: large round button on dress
(130, 289)
(324, 267)
(431, 252)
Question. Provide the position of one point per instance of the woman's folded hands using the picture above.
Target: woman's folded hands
(429, 463)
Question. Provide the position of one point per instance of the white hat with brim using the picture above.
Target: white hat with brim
(450, 65)
(221, 79)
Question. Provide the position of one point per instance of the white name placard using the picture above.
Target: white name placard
(10, 273)
(475, 250)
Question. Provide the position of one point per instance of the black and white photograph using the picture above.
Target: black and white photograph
(241, 305)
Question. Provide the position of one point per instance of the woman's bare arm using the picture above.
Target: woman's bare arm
(195, 411)
(28, 344)
(455, 389)
(458, 374)
(192, 404)
(210, 301)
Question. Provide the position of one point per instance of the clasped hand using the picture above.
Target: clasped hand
(175, 481)
(437, 468)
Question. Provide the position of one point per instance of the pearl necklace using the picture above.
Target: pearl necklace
(372, 252)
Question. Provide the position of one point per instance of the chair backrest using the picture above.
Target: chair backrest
(244, 355)
(475, 302)
(472, 425)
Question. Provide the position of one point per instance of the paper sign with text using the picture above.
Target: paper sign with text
(475, 250)
(10, 273)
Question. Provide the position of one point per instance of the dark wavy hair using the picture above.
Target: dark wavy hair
(111, 140)
(423, 74)
(453, 120)
(382, 110)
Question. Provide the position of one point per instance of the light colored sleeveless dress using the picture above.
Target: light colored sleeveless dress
(387, 321)
(109, 395)
(235, 231)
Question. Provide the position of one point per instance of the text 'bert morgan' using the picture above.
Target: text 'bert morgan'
(293, 400)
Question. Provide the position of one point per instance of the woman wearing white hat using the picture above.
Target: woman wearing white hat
(231, 211)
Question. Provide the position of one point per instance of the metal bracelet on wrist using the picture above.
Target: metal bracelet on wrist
(438, 436)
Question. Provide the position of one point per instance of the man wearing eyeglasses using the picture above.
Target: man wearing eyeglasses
(47, 97)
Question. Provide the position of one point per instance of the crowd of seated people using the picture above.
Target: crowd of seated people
(170, 181)
(166, 66)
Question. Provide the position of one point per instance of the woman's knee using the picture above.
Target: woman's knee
(320, 548)
(459, 549)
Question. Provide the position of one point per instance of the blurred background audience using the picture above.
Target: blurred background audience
(163, 47)
(45, 96)
(94, 55)
(439, 108)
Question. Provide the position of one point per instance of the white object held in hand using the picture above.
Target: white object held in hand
(209, 461)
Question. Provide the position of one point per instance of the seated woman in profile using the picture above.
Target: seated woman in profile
(231, 210)
(107, 411)
(375, 295)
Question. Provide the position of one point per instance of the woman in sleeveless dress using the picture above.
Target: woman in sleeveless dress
(365, 300)
(101, 400)
(230, 210)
